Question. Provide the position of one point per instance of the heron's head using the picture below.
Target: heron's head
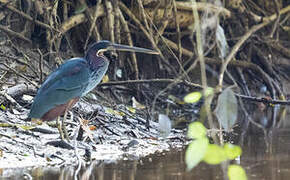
(100, 47)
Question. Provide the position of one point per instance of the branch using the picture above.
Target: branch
(237, 46)
(263, 100)
(114, 83)
(22, 14)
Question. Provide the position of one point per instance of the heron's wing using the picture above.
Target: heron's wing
(70, 75)
(65, 83)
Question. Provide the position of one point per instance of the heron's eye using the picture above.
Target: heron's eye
(100, 52)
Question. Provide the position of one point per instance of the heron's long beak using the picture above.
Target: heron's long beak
(120, 47)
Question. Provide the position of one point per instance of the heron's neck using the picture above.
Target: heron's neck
(95, 62)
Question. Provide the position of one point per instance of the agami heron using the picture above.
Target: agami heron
(73, 80)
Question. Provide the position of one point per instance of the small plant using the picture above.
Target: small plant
(200, 149)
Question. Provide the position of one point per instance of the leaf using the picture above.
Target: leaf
(131, 109)
(136, 104)
(80, 8)
(114, 112)
(105, 79)
(227, 109)
(232, 151)
(2, 107)
(164, 125)
(214, 154)
(92, 127)
(236, 172)
(196, 130)
(195, 152)
(176, 99)
(192, 97)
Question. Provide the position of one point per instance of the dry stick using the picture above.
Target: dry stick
(263, 100)
(150, 38)
(54, 22)
(40, 65)
(135, 69)
(277, 9)
(178, 30)
(11, 99)
(201, 6)
(18, 74)
(110, 19)
(65, 11)
(78, 19)
(134, 65)
(114, 83)
(162, 24)
(279, 47)
(19, 60)
(11, 8)
(117, 25)
(243, 81)
(241, 64)
(141, 8)
(178, 61)
(237, 46)
(69, 24)
(93, 27)
(165, 20)
(13, 33)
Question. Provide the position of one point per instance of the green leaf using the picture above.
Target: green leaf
(236, 172)
(227, 109)
(195, 152)
(192, 97)
(80, 8)
(196, 130)
(232, 151)
(215, 154)
(2, 107)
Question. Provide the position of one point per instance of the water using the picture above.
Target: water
(266, 155)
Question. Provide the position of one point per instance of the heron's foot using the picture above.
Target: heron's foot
(59, 127)
(66, 136)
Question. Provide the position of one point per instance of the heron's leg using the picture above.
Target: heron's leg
(63, 126)
(59, 128)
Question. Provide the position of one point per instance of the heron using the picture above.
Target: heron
(72, 80)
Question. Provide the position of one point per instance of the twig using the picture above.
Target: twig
(178, 30)
(11, 100)
(237, 46)
(146, 33)
(141, 8)
(22, 14)
(19, 60)
(150, 81)
(200, 6)
(16, 34)
(124, 24)
(200, 54)
(18, 74)
(40, 65)
(110, 19)
(263, 100)
(276, 23)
